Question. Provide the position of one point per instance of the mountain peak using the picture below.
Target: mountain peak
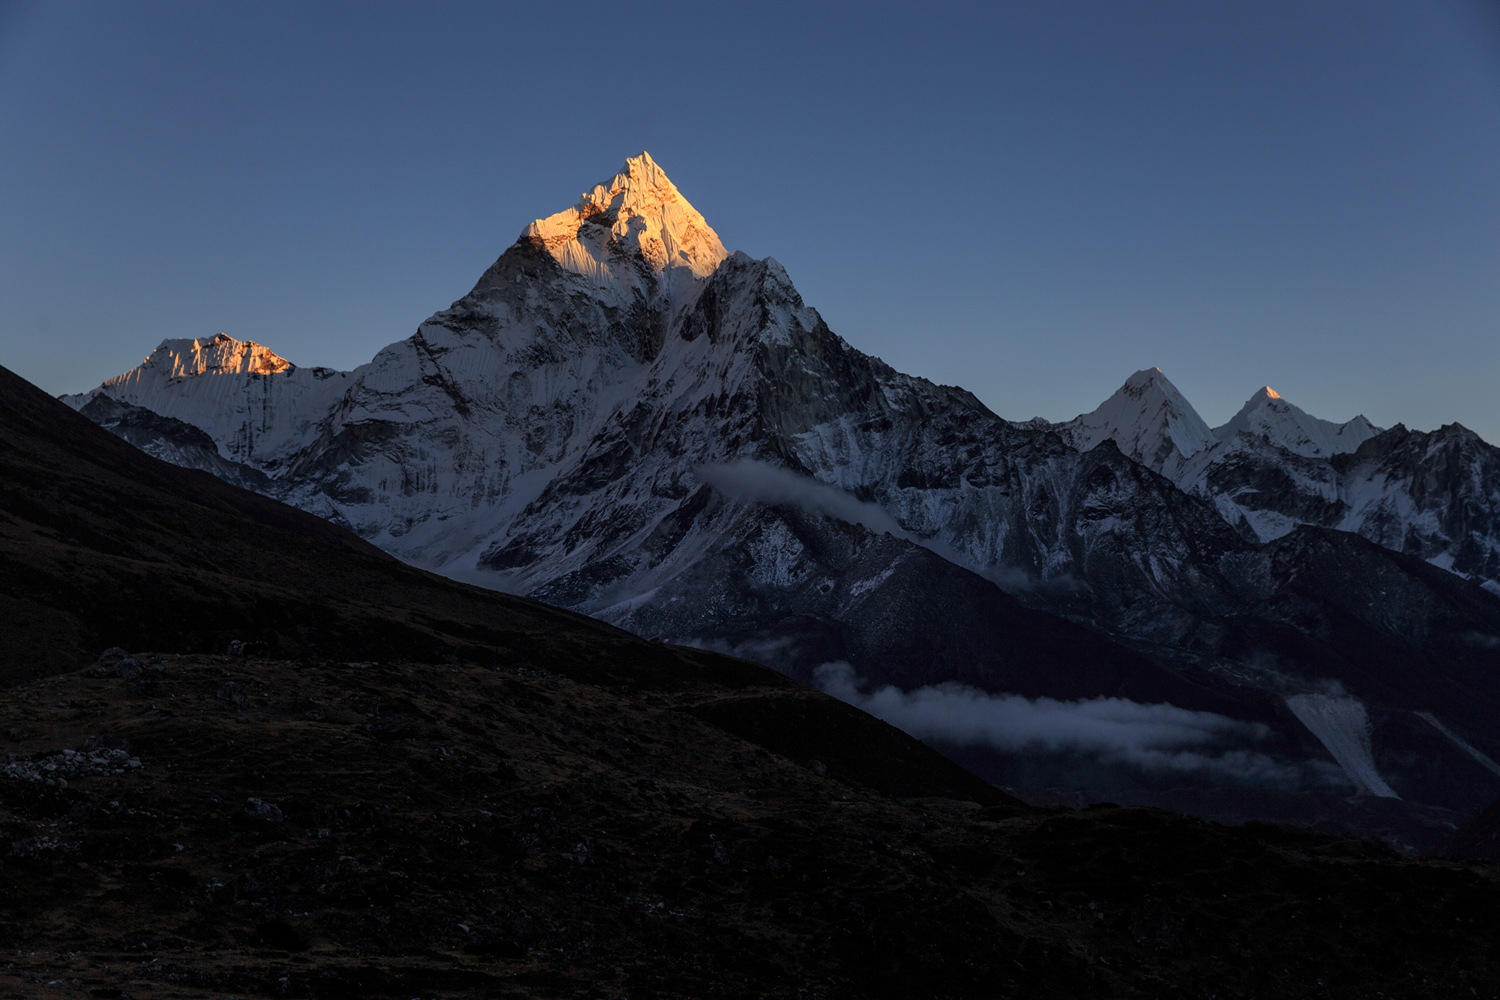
(1149, 419)
(1153, 385)
(638, 211)
(1268, 415)
(1145, 379)
(216, 355)
(644, 170)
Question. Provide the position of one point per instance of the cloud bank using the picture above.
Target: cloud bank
(1157, 738)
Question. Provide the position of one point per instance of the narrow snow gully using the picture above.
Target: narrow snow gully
(1342, 725)
(1485, 761)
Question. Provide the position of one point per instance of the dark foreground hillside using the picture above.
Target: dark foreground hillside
(416, 788)
(334, 829)
(101, 544)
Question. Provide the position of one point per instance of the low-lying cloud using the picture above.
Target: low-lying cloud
(748, 479)
(1157, 738)
(770, 651)
(1481, 640)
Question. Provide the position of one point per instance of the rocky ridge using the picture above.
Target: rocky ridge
(1274, 467)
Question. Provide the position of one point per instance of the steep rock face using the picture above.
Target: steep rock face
(1261, 488)
(1432, 495)
(1271, 467)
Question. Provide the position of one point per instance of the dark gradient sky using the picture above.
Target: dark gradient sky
(1029, 200)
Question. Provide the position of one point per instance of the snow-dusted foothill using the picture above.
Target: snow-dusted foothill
(1342, 725)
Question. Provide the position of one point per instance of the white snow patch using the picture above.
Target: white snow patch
(1484, 760)
(865, 586)
(1341, 724)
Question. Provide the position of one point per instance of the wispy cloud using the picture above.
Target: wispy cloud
(771, 651)
(1159, 738)
(748, 479)
(1481, 640)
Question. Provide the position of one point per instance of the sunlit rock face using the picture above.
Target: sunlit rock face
(218, 355)
(623, 418)
(636, 218)
(258, 408)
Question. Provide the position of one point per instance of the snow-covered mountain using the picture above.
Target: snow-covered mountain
(258, 408)
(1274, 467)
(1148, 420)
(626, 419)
(1267, 415)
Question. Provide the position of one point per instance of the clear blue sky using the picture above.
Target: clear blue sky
(1031, 200)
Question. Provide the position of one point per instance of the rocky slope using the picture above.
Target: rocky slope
(329, 829)
(557, 808)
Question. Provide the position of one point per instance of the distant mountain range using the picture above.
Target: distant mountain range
(1273, 467)
(625, 419)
